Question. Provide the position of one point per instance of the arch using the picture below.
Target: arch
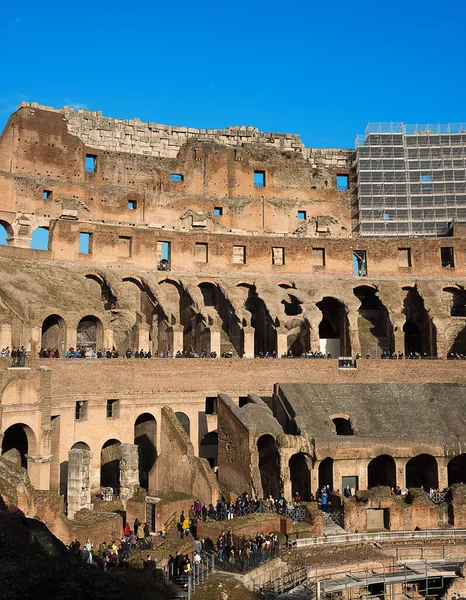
(265, 336)
(18, 441)
(326, 473)
(459, 343)
(184, 422)
(422, 471)
(40, 239)
(6, 233)
(334, 327)
(145, 438)
(457, 469)
(110, 457)
(90, 333)
(231, 335)
(343, 426)
(100, 290)
(269, 466)
(419, 329)
(300, 476)
(80, 446)
(457, 301)
(53, 333)
(381, 471)
(208, 448)
(374, 326)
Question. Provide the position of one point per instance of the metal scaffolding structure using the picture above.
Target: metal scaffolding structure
(411, 179)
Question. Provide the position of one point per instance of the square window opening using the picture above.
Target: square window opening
(80, 410)
(112, 409)
(132, 204)
(176, 177)
(278, 256)
(91, 163)
(343, 183)
(447, 257)
(301, 215)
(47, 195)
(163, 256)
(359, 263)
(124, 247)
(426, 178)
(218, 211)
(259, 179)
(201, 252)
(239, 255)
(318, 257)
(85, 243)
(404, 257)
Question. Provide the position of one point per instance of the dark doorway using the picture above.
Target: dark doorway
(381, 471)
(326, 473)
(422, 471)
(145, 438)
(419, 329)
(269, 466)
(89, 333)
(300, 477)
(374, 327)
(53, 333)
(184, 422)
(457, 469)
(15, 444)
(208, 448)
(110, 458)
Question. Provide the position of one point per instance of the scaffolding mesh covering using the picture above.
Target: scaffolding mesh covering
(411, 179)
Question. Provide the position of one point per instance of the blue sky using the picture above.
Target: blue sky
(320, 69)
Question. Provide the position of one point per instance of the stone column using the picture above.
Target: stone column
(71, 335)
(177, 339)
(354, 333)
(314, 330)
(108, 339)
(442, 462)
(79, 481)
(5, 335)
(248, 345)
(399, 339)
(39, 471)
(36, 340)
(215, 341)
(282, 342)
(129, 471)
(401, 472)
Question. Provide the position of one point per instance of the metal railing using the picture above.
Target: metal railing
(381, 536)
(298, 513)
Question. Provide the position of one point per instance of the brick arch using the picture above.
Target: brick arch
(19, 391)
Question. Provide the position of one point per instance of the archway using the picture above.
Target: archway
(63, 474)
(457, 301)
(110, 457)
(80, 446)
(374, 327)
(457, 469)
(18, 441)
(300, 476)
(145, 438)
(90, 333)
(343, 426)
(265, 337)
(334, 328)
(459, 343)
(53, 333)
(6, 233)
(419, 329)
(326, 473)
(184, 422)
(231, 335)
(422, 471)
(381, 471)
(40, 239)
(100, 290)
(208, 448)
(269, 466)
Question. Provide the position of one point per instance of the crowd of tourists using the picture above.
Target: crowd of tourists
(14, 353)
(242, 551)
(181, 566)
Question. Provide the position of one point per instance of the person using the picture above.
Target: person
(196, 563)
(186, 571)
(127, 530)
(185, 527)
(89, 546)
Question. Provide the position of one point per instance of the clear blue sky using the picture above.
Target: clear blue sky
(320, 69)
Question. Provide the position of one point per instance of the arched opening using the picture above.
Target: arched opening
(457, 301)
(230, 334)
(326, 473)
(381, 471)
(292, 306)
(110, 457)
(459, 343)
(100, 290)
(419, 329)
(208, 448)
(374, 327)
(6, 233)
(145, 438)
(298, 338)
(80, 446)
(300, 476)
(184, 422)
(63, 474)
(457, 469)
(342, 426)
(40, 239)
(334, 328)
(18, 441)
(269, 466)
(265, 338)
(422, 471)
(53, 333)
(90, 333)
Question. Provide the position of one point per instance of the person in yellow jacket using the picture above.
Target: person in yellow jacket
(186, 572)
(185, 527)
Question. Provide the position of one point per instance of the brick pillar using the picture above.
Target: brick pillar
(79, 481)
(5, 335)
(314, 331)
(354, 333)
(71, 335)
(108, 339)
(177, 339)
(248, 344)
(215, 341)
(129, 471)
(282, 342)
(399, 338)
(442, 462)
(36, 339)
(401, 472)
(39, 471)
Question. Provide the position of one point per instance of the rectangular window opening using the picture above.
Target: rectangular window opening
(163, 256)
(360, 263)
(85, 243)
(301, 215)
(278, 256)
(91, 163)
(426, 178)
(343, 182)
(176, 177)
(404, 257)
(80, 410)
(47, 195)
(447, 257)
(318, 257)
(124, 247)
(239, 255)
(132, 204)
(218, 211)
(112, 409)
(201, 252)
(259, 178)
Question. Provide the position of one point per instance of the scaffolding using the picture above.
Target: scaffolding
(411, 179)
